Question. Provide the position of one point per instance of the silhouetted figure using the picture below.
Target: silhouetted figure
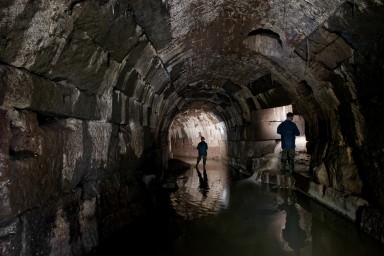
(288, 131)
(203, 182)
(202, 148)
(292, 233)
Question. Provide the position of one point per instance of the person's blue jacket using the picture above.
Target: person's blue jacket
(202, 147)
(288, 131)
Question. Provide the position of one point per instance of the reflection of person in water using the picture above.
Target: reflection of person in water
(292, 233)
(203, 182)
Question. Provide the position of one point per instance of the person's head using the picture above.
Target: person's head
(290, 115)
(202, 138)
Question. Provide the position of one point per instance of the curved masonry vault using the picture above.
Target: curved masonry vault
(96, 96)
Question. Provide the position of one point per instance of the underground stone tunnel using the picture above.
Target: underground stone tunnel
(97, 95)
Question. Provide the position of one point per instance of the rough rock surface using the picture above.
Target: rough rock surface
(93, 94)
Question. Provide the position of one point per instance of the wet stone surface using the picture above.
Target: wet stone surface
(218, 211)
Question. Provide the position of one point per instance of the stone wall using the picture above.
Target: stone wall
(78, 118)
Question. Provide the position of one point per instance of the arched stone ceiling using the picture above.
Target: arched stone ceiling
(169, 55)
(246, 55)
(106, 78)
(253, 54)
(233, 56)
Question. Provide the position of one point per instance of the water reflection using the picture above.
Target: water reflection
(203, 182)
(292, 232)
(199, 195)
(240, 216)
(219, 212)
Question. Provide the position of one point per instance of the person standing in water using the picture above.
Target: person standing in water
(288, 131)
(202, 148)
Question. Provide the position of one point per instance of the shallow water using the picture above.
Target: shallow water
(221, 212)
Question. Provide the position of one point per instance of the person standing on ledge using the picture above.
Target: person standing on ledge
(202, 148)
(288, 131)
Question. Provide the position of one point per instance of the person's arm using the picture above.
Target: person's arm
(279, 129)
(297, 132)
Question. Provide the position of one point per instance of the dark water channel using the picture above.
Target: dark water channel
(221, 212)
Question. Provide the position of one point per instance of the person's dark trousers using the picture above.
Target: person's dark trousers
(204, 157)
(288, 161)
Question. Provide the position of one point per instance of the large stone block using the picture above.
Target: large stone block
(23, 90)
